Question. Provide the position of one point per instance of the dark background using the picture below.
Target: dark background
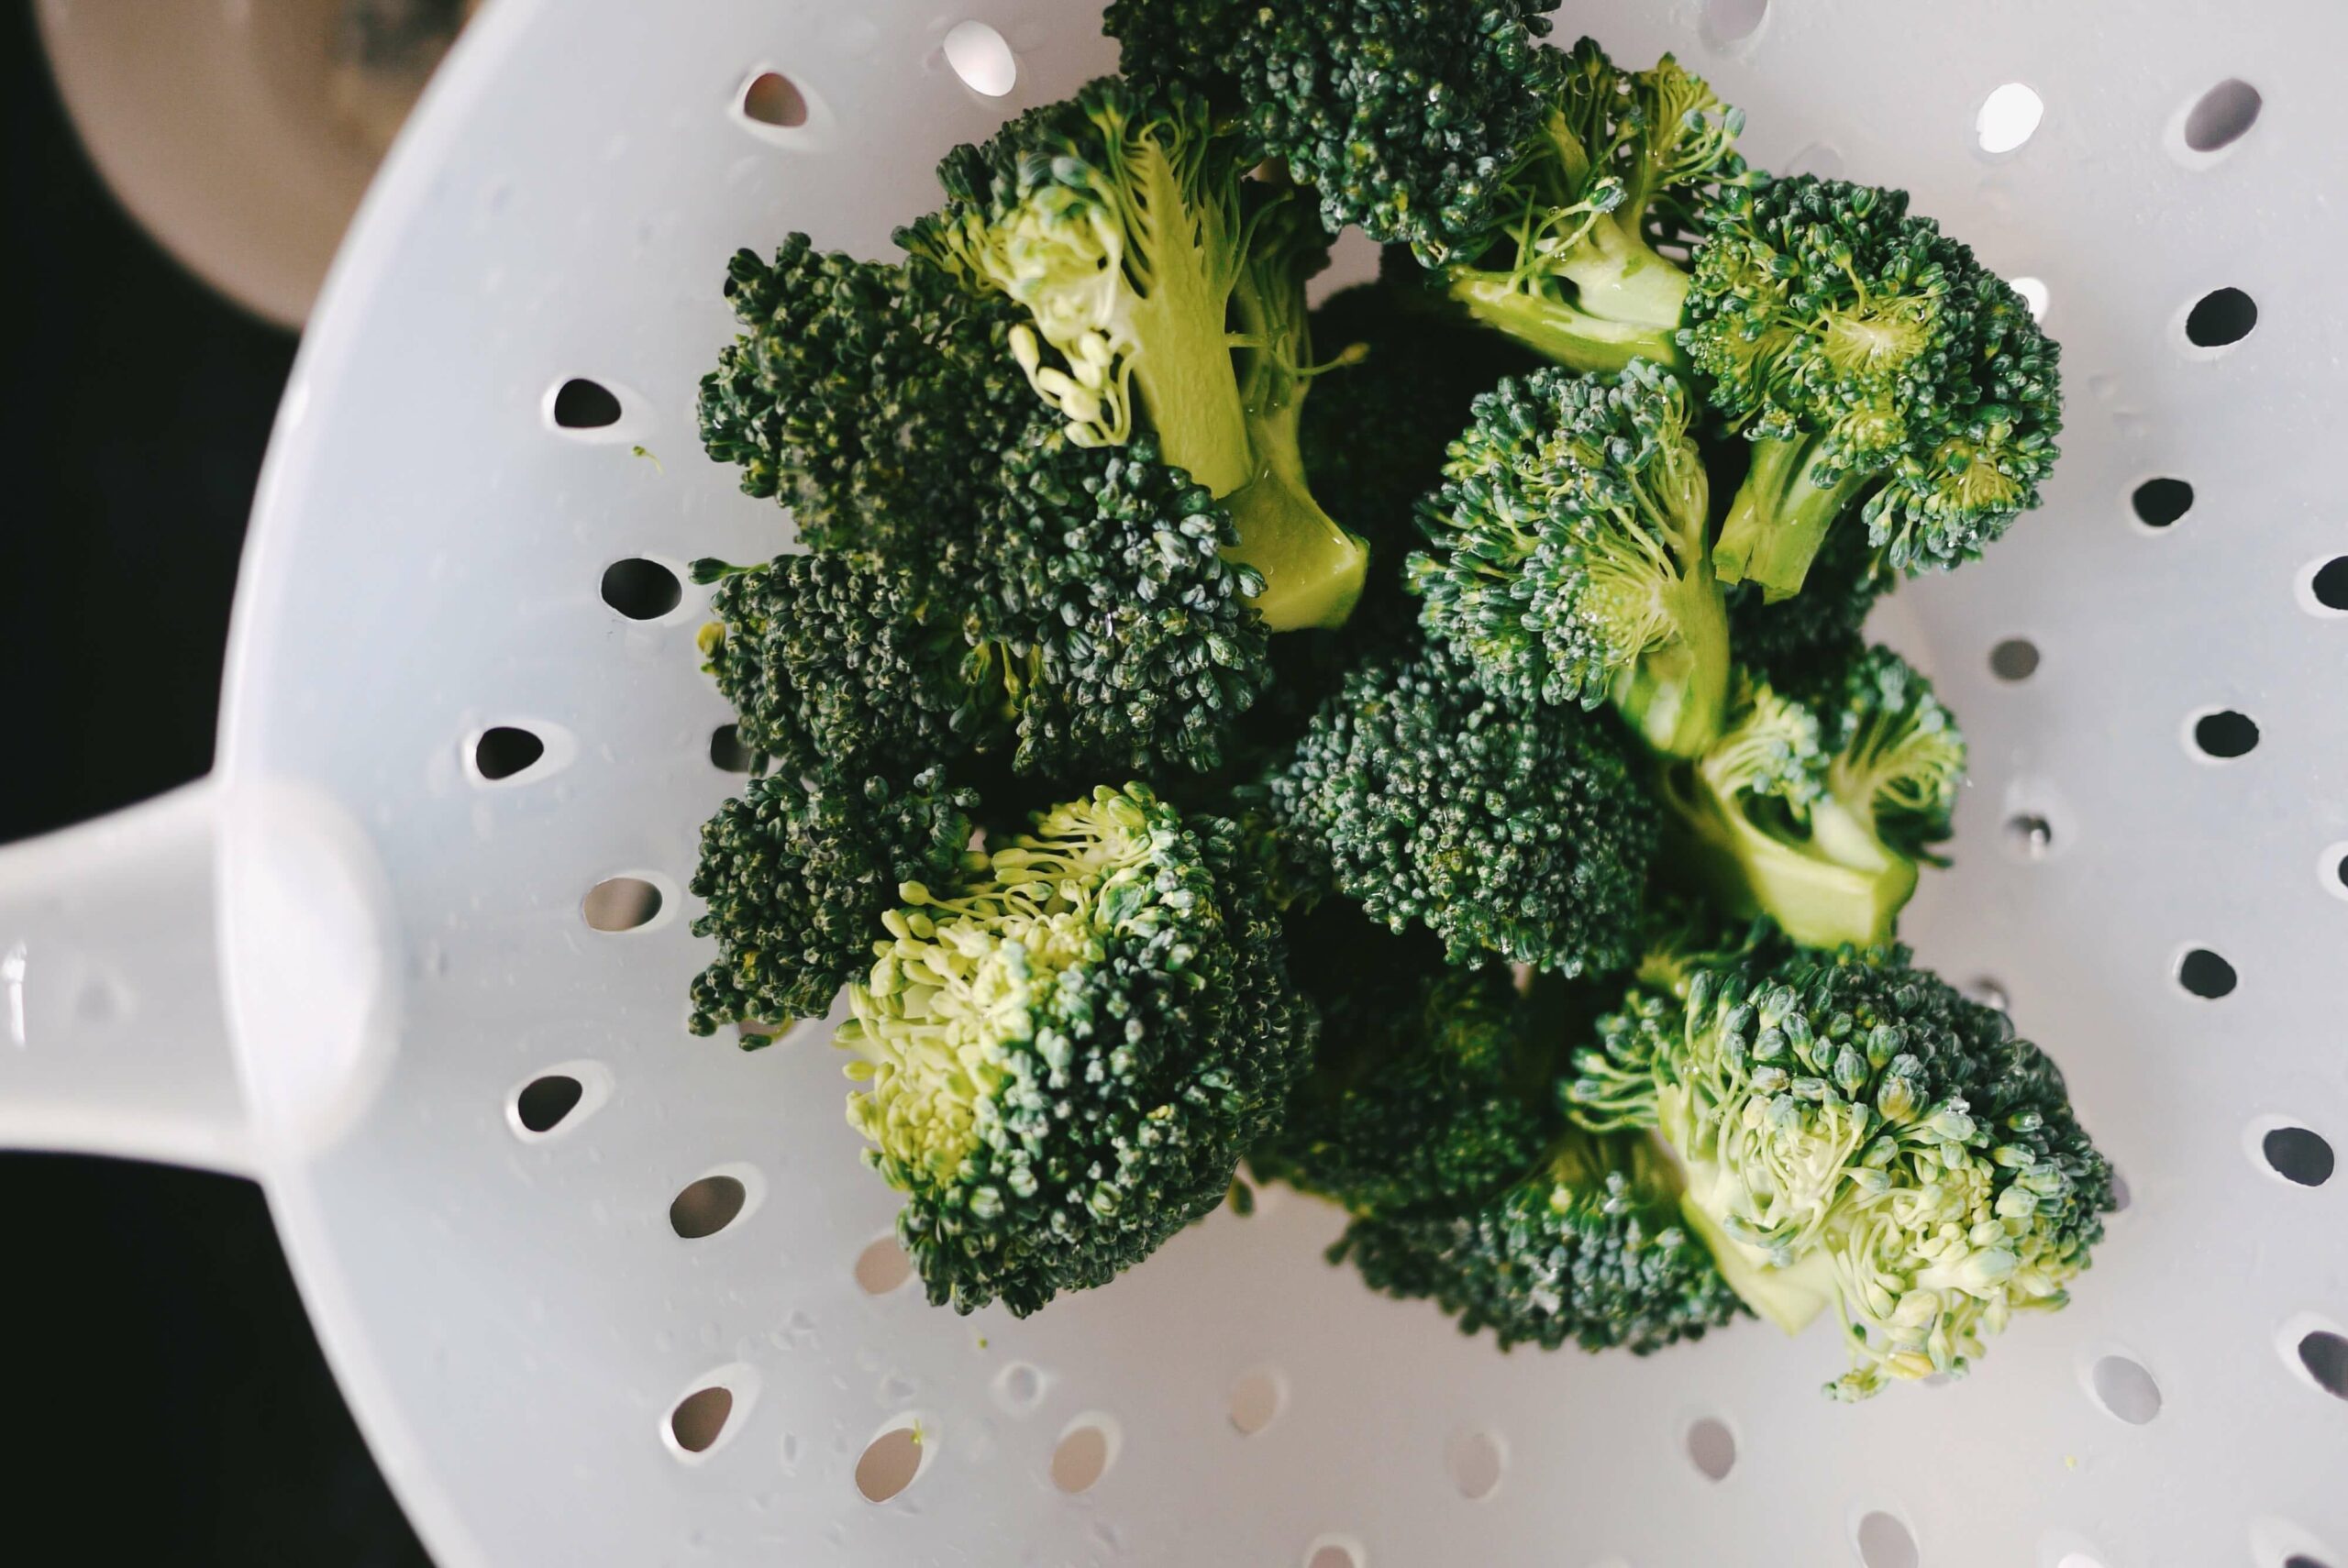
(169, 1400)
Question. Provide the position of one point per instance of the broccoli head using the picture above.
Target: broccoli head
(1063, 1050)
(1098, 626)
(1403, 116)
(1618, 169)
(1426, 1094)
(1864, 354)
(1567, 559)
(1124, 230)
(1510, 832)
(874, 400)
(840, 656)
(1590, 1248)
(797, 874)
(1820, 800)
(1852, 1132)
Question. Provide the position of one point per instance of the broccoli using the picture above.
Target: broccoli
(1126, 231)
(1426, 1094)
(1864, 354)
(875, 401)
(831, 657)
(1820, 800)
(1589, 1248)
(1617, 173)
(1404, 115)
(797, 874)
(1568, 561)
(1063, 1050)
(1512, 834)
(1098, 626)
(1854, 1131)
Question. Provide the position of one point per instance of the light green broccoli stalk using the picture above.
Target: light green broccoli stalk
(1567, 559)
(1062, 1055)
(1855, 1133)
(1122, 226)
(1818, 803)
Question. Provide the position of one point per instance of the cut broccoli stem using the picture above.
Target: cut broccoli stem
(1780, 516)
(1675, 697)
(1789, 1298)
(1838, 884)
(1684, 1160)
(1558, 331)
(1312, 569)
(1618, 279)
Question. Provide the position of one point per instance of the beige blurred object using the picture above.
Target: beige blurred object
(241, 133)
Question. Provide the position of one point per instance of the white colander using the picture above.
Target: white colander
(336, 963)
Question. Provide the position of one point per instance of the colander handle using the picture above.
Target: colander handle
(113, 1037)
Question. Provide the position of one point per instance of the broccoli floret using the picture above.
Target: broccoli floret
(1125, 231)
(873, 400)
(1510, 833)
(1590, 1248)
(1615, 173)
(1063, 1050)
(1819, 801)
(1568, 561)
(1864, 354)
(836, 657)
(1402, 116)
(1820, 625)
(797, 874)
(1098, 626)
(1427, 1095)
(1852, 1131)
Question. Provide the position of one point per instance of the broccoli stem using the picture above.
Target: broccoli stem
(1834, 885)
(1676, 696)
(1617, 278)
(1183, 285)
(1789, 1298)
(1558, 331)
(1780, 516)
(1312, 569)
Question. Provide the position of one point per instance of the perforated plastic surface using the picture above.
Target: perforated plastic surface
(515, 1314)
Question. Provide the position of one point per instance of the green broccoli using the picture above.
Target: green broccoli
(1510, 833)
(1820, 800)
(1126, 231)
(797, 874)
(1427, 1095)
(1099, 627)
(1404, 115)
(1568, 558)
(1063, 1050)
(1589, 1248)
(1864, 354)
(1852, 1132)
(875, 401)
(1617, 173)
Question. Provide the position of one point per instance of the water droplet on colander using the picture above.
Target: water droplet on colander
(2029, 835)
